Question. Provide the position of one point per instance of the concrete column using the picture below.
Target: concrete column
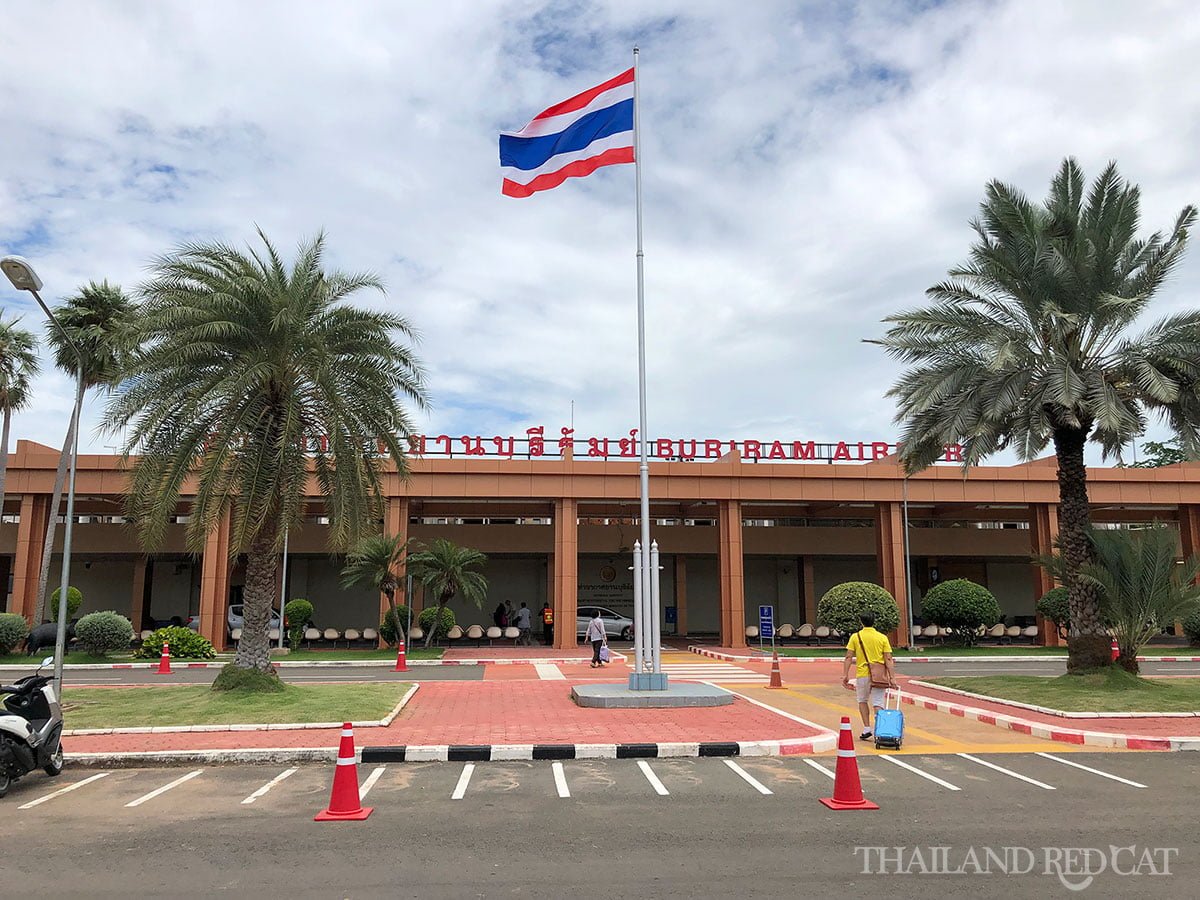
(395, 524)
(214, 584)
(137, 600)
(731, 574)
(889, 555)
(681, 604)
(565, 566)
(810, 592)
(1043, 531)
(31, 539)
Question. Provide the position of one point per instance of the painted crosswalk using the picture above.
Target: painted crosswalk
(719, 673)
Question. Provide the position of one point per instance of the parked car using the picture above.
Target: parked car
(614, 625)
(237, 620)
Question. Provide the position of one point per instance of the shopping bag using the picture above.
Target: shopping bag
(605, 654)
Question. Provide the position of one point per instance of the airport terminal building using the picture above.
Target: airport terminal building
(739, 524)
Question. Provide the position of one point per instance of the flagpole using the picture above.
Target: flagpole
(645, 626)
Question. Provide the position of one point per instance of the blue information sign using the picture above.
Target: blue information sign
(766, 622)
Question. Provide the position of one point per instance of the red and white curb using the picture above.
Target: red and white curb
(1062, 735)
(1046, 710)
(336, 663)
(1024, 657)
(196, 729)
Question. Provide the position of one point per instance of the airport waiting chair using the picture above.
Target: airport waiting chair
(1030, 633)
(805, 633)
(995, 634)
(785, 633)
(475, 633)
(310, 635)
(416, 633)
(454, 633)
(371, 636)
(751, 631)
(494, 633)
(332, 635)
(236, 636)
(351, 636)
(512, 633)
(823, 634)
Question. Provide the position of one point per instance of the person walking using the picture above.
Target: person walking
(595, 634)
(548, 624)
(499, 616)
(875, 670)
(524, 625)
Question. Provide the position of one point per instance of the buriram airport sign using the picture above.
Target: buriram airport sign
(535, 444)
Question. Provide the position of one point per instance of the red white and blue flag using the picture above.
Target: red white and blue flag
(571, 139)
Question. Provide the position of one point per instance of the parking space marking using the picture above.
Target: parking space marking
(1067, 762)
(659, 787)
(464, 779)
(560, 780)
(369, 783)
(820, 768)
(902, 764)
(1017, 775)
(61, 791)
(748, 778)
(162, 790)
(286, 773)
(549, 672)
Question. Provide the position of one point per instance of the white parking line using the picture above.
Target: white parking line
(659, 787)
(560, 780)
(270, 784)
(369, 783)
(820, 768)
(1067, 762)
(61, 791)
(464, 779)
(902, 764)
(162, 790)
(1017, 775)
(748, 778)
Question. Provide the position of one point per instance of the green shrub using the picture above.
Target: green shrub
(99, 633)
(843, 603)
(428, 616)
(249, 681)
(962, 606)
(297, 614)
(389, 630)
(1191, 627)
(13, 630)
(74, 601)
(1053, 606)
(185, 644)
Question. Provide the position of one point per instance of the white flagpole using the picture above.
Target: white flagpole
(645, 626)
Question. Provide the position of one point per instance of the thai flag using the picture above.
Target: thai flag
(571, 139)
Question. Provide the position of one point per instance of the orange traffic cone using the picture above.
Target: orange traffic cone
(847, 789)
(164, 661)
(1116, 651)
(776, 676)
(401, 659)
(344, 801)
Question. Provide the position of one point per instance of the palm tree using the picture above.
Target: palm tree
(378, 560)
(1029, 342)
(18, 366)
(253, 381)
(99, 321)
(445, 570)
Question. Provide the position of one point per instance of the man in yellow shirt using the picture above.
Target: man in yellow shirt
(868, 646)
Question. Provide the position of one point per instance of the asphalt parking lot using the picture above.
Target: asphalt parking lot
(748, 827)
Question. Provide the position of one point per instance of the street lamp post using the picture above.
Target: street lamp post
(24, 278)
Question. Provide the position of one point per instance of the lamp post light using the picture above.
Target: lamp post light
(24, 278)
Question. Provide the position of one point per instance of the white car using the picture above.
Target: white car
(615, 625)
(236, 618)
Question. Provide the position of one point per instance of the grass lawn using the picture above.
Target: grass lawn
(78, 658)
(339, 655)
(132, 707)
(1007, 650)
(1111, 690)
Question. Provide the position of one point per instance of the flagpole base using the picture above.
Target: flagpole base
(648, 681)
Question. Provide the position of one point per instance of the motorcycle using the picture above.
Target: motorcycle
(31, 729)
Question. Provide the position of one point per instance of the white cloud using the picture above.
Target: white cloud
(807, 171)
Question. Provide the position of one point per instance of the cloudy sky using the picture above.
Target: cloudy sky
(808, 168)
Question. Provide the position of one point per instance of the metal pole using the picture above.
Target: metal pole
(60, 640)
(642, 575)
(655, 624)
(908, 600)
(283, 588)
(408, 601)
(638, 620)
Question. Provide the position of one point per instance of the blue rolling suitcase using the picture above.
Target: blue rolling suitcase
(889, 724)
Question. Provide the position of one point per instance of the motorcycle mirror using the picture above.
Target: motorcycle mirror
(48, 661)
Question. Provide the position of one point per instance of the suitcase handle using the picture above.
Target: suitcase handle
(887, 698)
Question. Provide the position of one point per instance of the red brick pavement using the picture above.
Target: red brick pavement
(486, 712)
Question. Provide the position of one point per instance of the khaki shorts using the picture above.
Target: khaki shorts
(877, 696)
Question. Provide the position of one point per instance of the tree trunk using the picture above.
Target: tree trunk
(1088, 647)
(254, 649)
(1129, 664)
(64, 459)
(437, 618)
